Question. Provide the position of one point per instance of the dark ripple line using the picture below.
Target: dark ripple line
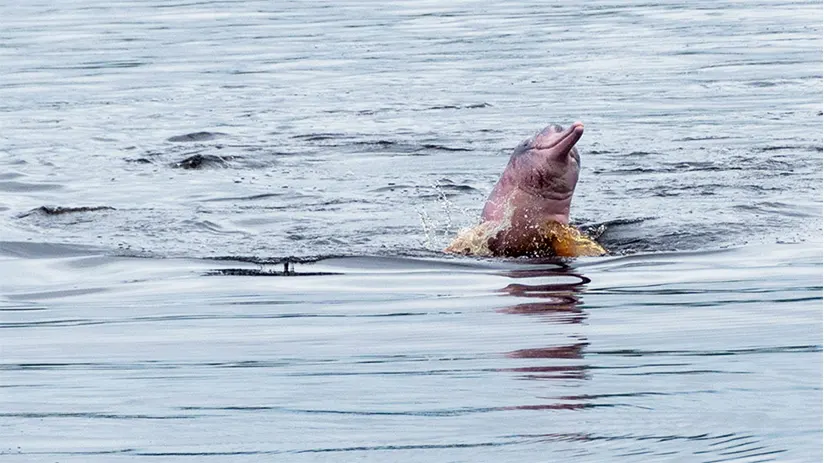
(87, 322)
(206, 454)
(635, 453)
(429, 413)
(83, 452)
(401, 373)
(245, 198)
(112, 416)
(657, 438)
(22, 309)
(729, 451)
(621, 394)
(566, 437)
(687, 353)
(726, 302)
(407, 447)
(155, 365)
(685, 372)
(680, 292)
(330, 449)
(737, 457)
(455, 412)
(736, 438)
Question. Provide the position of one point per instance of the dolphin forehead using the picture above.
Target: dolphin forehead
(525, 145)
(551, 128)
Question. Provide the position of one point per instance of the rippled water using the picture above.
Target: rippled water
(159, 163)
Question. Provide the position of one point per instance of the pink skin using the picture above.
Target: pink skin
(538, 184)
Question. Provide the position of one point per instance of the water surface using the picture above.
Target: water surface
(160, 162)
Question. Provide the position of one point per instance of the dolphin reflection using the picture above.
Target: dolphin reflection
(558, 301)
(554, 298)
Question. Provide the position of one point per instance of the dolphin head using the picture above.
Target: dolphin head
(538, 183)
(547, 164)
(533, 196)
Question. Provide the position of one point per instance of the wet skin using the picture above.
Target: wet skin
(537, 186)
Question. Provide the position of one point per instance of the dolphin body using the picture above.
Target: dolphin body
(527, 213)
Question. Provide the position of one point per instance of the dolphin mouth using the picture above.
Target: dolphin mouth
(567, 140)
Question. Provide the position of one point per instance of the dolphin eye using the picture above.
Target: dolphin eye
(575, 155)
(557, 128)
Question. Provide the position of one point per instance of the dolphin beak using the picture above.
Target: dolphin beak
(562, 144)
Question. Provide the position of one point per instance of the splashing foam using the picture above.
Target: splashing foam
(554, 239)
(439, 224)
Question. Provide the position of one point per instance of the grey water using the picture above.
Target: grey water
(221, 224)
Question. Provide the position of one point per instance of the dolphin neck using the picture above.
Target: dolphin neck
(525, 207)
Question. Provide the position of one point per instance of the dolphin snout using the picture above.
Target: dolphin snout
(578, 128)
(554, 136)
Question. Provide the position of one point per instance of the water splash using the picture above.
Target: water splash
(440, 225)
(428, 229)
(553, 239)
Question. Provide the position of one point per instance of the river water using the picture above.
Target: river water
(221, 223)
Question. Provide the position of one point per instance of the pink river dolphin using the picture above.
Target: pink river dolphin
(534, 193)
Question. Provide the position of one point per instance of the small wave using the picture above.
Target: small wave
(817, 148)
(449, 106)
(341, 140)
(320, 136)
(200, 161)
(12, 186)
(245, 198)
(248, 272)
(405, 147)
(60, 210)
(94, 415)
(195, 137)
(34, 250)
(139, 160)
(705, 138)
(774, 207)
(633, 170)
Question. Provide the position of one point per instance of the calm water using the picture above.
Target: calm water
(159, 162)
